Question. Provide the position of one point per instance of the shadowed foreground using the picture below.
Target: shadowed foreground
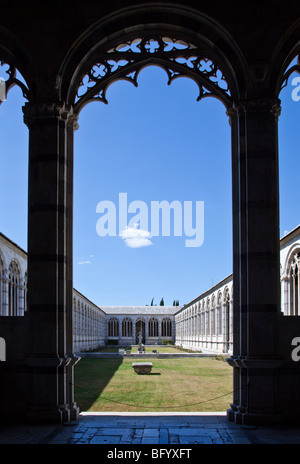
(184, 385)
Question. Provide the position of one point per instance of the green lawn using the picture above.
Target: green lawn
(148, 349)
(178, 385)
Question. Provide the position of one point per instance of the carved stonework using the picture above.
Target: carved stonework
(258, 71)
(290, 70)
(178, 58)
(259, 105)
(33, 112)
(12, 79)
(142, 368)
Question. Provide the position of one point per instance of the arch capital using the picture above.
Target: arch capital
(49, 111)
(262, 105)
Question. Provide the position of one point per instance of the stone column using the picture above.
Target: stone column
(159, 323)
(173, 329)
(256, 276)
(146, 320)
(133, 331)
(21, 297)
(50, 195)
(5, 280)
(120, 328)
(285, 286)
(71, 125)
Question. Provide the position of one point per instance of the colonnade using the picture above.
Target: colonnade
(13, 279)
(154, 329)
(234, 61)
(290, 283)
(89, 329)
(13, 292)
(206, 323)
(289, 272)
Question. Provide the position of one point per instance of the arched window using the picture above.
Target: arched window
(25, 292)
(294, 285)
(13, 284)
(126, 327)
(166, 328)
(207, 316)
(219, 304)
(213, 315)
(227, 334)
(153, 328)
(79, 319)
(74, 316)
(113, 327)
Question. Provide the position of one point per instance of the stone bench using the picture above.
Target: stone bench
(142, 368)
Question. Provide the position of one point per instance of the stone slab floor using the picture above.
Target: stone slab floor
(172, 429)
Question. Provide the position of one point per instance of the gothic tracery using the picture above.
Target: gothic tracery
(177, 57)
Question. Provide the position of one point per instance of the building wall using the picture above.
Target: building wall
(123, 324)
(289, 267)
(13, 278)
(206, 323)
(89, 325)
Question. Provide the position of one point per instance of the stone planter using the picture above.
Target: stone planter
(142, 368)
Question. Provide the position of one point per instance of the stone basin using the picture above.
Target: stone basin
(142, 367)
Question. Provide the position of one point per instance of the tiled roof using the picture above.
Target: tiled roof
(139, 310)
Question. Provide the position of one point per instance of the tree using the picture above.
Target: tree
(162, 303)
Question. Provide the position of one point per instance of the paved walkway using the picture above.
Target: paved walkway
(172, 429)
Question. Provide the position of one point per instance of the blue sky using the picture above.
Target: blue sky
(155, 143)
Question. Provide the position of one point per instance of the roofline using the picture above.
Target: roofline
(212, 289)
(13, 243)
(87, 299)
(289, 235)
(207, 292)
(283, 239)
(141, 306)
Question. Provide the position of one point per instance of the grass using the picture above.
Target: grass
(148, 349)
(178, 385)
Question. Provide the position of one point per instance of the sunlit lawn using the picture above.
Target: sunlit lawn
(178, 385)
(148, 349)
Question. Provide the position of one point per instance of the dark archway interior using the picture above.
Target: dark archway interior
(59, 48)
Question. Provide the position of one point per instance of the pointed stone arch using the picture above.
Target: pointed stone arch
(108, 52)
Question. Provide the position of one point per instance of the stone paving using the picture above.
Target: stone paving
(173, 429)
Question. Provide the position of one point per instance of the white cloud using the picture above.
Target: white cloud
(85, 260)
(136, 238)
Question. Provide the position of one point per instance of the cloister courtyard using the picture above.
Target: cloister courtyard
(175, 384)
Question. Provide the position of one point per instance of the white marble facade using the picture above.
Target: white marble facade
(289, 267)
(205, 323)
(155, 323)
(13, 281)
(89, 327)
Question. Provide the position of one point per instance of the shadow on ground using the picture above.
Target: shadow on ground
(91, 377)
